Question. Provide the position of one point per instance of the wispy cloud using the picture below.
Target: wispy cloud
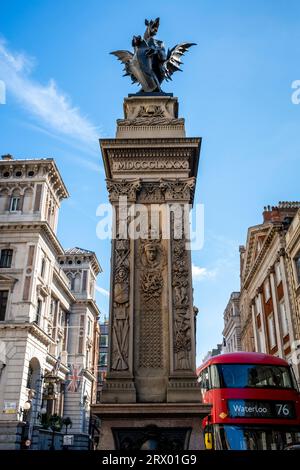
(201, 274)
(102, 291)
(50, 106)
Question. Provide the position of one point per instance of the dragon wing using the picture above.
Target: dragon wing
(125, 57)
(173, 62)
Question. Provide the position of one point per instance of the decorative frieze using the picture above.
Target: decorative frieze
(120, 321)
(152, 259)
(182, 335)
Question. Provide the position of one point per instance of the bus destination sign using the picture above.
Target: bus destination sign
(261, 409)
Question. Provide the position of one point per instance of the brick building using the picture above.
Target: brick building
(269, 282)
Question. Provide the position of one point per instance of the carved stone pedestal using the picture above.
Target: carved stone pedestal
(152, 426)
(151, 170)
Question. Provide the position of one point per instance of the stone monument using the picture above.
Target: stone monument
(151, 398)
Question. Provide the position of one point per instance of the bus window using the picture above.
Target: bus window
(214, 376)
(204, 381)
(254, 375)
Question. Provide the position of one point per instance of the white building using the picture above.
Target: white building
(232, 325)
(48, 315)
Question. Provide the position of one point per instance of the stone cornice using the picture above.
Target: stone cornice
(45, 167)
(31, 328)
(52, 361)
(41, 227)
(158, 409)
(144, 148)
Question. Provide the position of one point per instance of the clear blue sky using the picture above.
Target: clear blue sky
(64, 91)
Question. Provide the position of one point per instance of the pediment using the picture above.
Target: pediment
(255, 242)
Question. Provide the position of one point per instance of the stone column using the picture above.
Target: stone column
(151, 169)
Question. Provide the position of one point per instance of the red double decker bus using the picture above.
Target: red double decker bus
(255, 402)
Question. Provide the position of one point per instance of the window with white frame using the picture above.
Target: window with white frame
(267, 290)
(278, 273)
(271, 329)
(15, 203)
(283, 318)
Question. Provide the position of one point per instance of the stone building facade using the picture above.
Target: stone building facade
(269, 281)
(293, 268)
(49, 333)
(103, 356)
(232, 325)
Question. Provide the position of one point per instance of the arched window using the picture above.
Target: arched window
(15, 201)
(71, 281)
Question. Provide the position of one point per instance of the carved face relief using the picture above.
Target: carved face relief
(151, 253)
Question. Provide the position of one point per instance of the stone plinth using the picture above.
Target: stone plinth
(151, 170)
(173, 426)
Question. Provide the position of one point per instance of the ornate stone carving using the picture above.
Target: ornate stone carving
(178, 189)
(151, 111)
(181, 305)
(151, 120)
(151, 260)
(120, 326)
(117, 189)
(151, 193)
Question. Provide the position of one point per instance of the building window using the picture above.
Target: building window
(278, 273)
(3, 303)
(271, 328)
(267, 290)
(15, 204)
(104, 341)
(103, 359)
(38, 312)
(283, 318)
(6, 258)
(89, 327)
(43, 264)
